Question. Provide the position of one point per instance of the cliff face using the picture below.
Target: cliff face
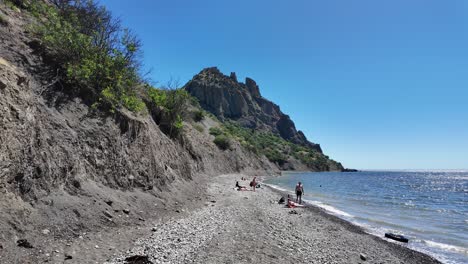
(227, 98)
(58, 155)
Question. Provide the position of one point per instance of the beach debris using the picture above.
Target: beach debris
(138, 259)
(24, 243)
(281, 200)
(363, 256)
(107, 214)
(397, 237)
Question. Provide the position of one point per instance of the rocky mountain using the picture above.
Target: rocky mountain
(227, 98)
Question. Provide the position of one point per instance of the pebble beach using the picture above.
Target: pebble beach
(251, 227)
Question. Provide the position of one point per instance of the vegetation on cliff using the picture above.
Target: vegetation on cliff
(91, 55)
(275, 148)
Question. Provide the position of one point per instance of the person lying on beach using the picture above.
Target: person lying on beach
(292, 204)
(240, 188)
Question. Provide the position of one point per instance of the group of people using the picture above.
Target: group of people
(299, 192)
(253, 184)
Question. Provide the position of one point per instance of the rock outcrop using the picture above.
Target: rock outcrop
(227, 98)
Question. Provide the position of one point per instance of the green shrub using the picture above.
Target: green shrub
(199, 128)
(172, 105)
(3, 20)
(215, 131)
(91, 51)
(222, 142)
(198, 115)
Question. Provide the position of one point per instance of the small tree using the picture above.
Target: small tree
(222, 142)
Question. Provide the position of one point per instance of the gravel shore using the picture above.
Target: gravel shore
(250, 227)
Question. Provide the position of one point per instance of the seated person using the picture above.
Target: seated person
(240, 188)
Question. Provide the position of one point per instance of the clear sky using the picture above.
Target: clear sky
(379, 84)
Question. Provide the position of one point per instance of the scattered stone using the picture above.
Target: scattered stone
(45, 231)
(21, 79)
(138, 259)
(2, 85)
(106, 213)
(24, 243)
(68, 257)
(362, 256)
(126, 211)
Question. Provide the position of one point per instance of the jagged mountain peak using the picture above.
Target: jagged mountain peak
(228, 98)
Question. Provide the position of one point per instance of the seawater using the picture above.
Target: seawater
(428, 207)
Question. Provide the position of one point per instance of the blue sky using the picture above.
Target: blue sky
(379, 84)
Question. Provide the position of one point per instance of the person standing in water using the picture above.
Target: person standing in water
(299, 192)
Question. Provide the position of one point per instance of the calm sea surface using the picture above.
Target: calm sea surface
(429, 207)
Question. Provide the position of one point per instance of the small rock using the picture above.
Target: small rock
(293, 212)
(154, 229)
(246, 197)
(45, 231)
(68, 257)
(141, 219)
(177, 211)
(80, 237)
(138, 259)
(109, 202)
(362, 256)
(21, 79)
(96, 246)
(24, 243)
(2, 85)
(126, 211)
(213, 201)
(106, 213)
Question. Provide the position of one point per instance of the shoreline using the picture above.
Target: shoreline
(250, 227)
(354, 227)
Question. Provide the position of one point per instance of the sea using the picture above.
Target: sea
(428, 207)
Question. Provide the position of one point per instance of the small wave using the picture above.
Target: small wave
(276, 187)
(446, 247)
(329, 208)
